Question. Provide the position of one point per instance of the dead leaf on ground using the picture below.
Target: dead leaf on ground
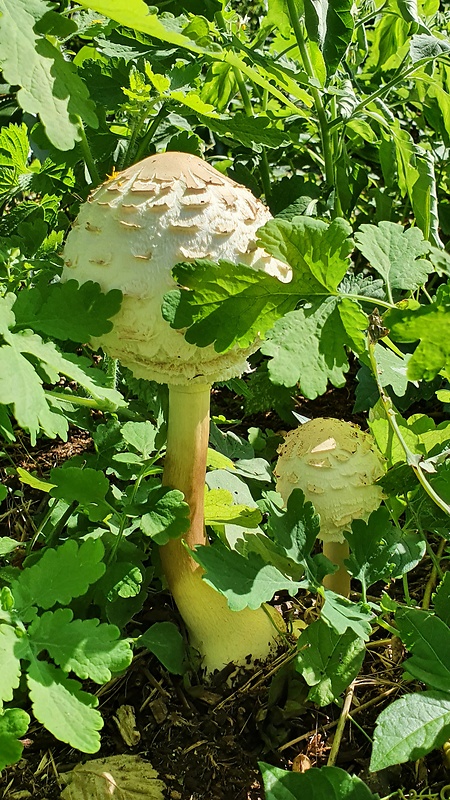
(122, 777)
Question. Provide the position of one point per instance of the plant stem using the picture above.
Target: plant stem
(320, 109)
(339, 581)
(148, 136)
(87, 155)
(431, 582)
(332, 758)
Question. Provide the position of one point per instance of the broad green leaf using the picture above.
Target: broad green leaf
(87, 486)
(220, 509)
(165, 641)
(278, 16)
(326, 783)
(14, 723)
(8, 545)
(141, 436)
(328, 661)
(220, 86)
(49, 84)
(424, 46)
(253, 132)
(410, 728)
(442, 599)
(34, 481)
(380, 551)
(395, 253)
(14, 150)
(63, 708)
(429, 323)
(12, 649)
(428, 639)
(330, 24)
(168, 516)
(392, 370)
(85, 646)
(419, 432)
(294, 531)
(342, 615)
(59, 575)
(244, 581)
(67, 310)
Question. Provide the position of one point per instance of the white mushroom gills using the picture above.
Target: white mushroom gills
(336, 465)
(134, 228)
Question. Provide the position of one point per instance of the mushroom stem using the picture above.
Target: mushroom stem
(339, 581)
(220, 635)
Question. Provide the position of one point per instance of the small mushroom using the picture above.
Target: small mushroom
(166, 209)
(336, 465)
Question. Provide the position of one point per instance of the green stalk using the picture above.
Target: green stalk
(87, 155)
(150, 132)
(320, 109)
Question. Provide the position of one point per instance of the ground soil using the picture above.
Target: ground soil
(205, 740)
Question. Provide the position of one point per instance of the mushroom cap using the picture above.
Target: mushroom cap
(336, 465)
(132, 231)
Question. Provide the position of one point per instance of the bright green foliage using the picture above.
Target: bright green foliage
(342, 615)
(13, 725)
(67, 311)
(49, 84)
(327, 783)
(59, 576)
(331, 26)
(395, 253)
(221, 510)
(328, 660)
(419, 432)
(168, 516)
(380, 551)
(88, 487)
(295, 531)
(428, 639)
(141, 436)
(84, 647)
(14, 149)
(166, 642)
(410, 728)
(429, 323)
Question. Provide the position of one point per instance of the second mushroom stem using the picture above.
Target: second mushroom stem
(339, 581)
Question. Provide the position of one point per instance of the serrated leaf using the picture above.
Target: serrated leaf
(326, 783)
(59, 575)
(428, 639)
(253, 132)
(342, 614)
(63, 708)
(14, 723)
(130, 777)
(232, 303)
(67, 310)
(410, 728)
(431, 324)
(442, 599)
(221, 510)
(244, 581)
(141, 436)
(331, 26)
(12, 649)
(392, 369)
(295, 530)
(328, 660)
(380, 551)
(168, 517)
(85, 646)
(395, 253)
(49, 84)
(165, 641)
(87, 486)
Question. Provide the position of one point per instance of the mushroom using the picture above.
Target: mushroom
(336, 465)
(134, 228)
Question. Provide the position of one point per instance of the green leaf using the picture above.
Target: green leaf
(392, 369)
(294, 531)
(328, 661)
(428, 639)
(13, 725)
(141, 436)
(59, 575)
(330, 24)
(326, 783)
(442, 599)
(424, 46)
(86, 647)
(244, 581)
(87, 486)
(67, 310)
(255, 133)
(7, 545)
(220, 86)
(49, 84)
(220, 509)
(410, 728)
(342, 614)
(12, 649)
(381, 551)
(168, 517)
(431, 324)
(63, 708)
(395, 253)
(165, 641)
(14, 149)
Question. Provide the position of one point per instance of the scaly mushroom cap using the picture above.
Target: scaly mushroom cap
(336, 465)
(132, 231)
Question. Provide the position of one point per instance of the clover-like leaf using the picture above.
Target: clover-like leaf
(13, 725)
(395, 253)
(167, 517)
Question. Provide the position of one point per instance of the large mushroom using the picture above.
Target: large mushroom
(336, 465)
(134, 228)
